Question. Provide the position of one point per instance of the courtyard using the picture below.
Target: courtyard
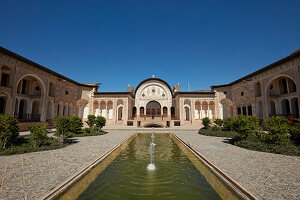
(32, 175)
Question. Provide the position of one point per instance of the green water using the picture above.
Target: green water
(126, 177)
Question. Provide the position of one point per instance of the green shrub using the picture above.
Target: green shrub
(246, 125)
(206, 122)
(9, 129)
(38, 134)
(76, 125)
(62, 127)
(296, 120)
(279, 130)
(214, 128)
(228, 124)
(295, 135)
(91, 120)
(100, 122)
(219, 122)
(87, 131)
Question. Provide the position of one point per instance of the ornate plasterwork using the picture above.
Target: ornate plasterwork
(153, 90)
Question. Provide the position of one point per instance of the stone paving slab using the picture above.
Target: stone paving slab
(32, 175)
(269, 176)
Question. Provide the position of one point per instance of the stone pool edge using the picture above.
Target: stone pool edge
(62, 187)
(59, 189)
(238, 188)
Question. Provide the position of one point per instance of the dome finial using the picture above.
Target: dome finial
(153, 76)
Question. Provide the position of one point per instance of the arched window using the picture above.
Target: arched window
(187, 113)
(239, 111)
(2, 104)
(110, 109)
(134, 111)
(172, 112)
(295, 107)
(120, 112)
(103, 109)
(272, 108)
(5, 76)
(211, 110)
(285, 107)
(120, 107)
(22, 109)
(165, 111)
(60, 109)
(197, 109)
(142, 111)
(257, 89)
(50, 110)
(96, 111)
(281, 90)
(51, 90)
(187, 109)
(66, 110)
(259, 110)
(35, 114)
(204, 111)
(158, 111)
(70, 110)
(153, 108)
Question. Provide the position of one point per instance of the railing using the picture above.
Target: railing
(28, 117)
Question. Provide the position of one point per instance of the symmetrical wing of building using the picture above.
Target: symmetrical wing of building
(34, 93)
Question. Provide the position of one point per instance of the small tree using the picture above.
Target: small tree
(38, 134)
(206, 122)
(219, 122)
(9, 129)
(100, 122)
(76, 125)
(62, 127)
(91, 121)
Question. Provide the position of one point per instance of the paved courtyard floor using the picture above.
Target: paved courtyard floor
(32, 175)
(268, 176)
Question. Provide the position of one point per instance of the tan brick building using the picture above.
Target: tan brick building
(34, 93)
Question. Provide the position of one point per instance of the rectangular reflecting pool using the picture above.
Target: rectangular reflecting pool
(179, 174)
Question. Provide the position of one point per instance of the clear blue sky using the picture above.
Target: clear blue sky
(123, 42)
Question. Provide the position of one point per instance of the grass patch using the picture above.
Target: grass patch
(23, 145)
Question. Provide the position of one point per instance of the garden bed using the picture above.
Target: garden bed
(85, 133)
(246, 132)
(24, 145)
